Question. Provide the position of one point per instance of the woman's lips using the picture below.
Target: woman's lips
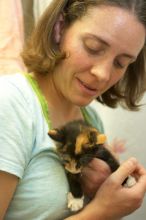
(87, 88)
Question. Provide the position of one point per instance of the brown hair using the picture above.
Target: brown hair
(41, 53)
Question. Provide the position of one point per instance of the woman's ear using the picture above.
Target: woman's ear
(58, 28)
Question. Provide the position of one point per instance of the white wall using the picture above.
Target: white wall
(130, 126)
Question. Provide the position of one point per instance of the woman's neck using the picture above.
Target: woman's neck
(61, 110)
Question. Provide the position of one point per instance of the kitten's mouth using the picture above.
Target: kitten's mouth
(72, 167)
(74, 171)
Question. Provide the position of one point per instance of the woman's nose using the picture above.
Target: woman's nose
(102, 71)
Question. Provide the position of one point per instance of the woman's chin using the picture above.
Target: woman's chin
(82, 103)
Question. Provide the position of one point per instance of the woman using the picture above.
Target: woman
(79, 51)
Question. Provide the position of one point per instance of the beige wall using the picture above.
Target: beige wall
(27, 6)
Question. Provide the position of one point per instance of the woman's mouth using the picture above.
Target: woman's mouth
(87, 88)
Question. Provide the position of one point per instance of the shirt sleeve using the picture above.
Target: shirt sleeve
(16, 129)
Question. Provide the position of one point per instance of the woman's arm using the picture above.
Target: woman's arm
(114, 201)
(93, 175)
(8, 183)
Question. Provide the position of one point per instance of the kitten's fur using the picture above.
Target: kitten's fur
(77, 144)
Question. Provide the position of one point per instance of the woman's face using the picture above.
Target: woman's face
(100, 46)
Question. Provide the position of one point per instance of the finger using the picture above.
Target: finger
(126, 169)
(140, 170)
(142, 184)
(99, 166)
(139, 188)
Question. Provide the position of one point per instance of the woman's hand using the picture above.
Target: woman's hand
(114, 201)
(93, 176)
(118, 200)
(97, 171)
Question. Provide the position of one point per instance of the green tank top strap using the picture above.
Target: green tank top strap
(87, 115)
(41, 98)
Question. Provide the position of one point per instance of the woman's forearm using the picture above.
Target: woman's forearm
(92, 212)
(88, 213)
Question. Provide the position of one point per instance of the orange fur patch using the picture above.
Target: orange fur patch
(83, 140)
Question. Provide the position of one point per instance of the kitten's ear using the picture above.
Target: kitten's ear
(56, 135)
(101, 139)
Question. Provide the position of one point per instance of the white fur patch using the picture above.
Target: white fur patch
(130, 182)
(75, 204)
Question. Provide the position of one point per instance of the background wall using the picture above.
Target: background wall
(131, 127)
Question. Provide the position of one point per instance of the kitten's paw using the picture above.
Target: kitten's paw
(130, 182)
(75, 204)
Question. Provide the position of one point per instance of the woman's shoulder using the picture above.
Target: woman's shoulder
(16, 91)
(13, 84)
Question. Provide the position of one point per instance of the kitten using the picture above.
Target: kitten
(77, 144)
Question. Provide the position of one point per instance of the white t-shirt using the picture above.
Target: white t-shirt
(28, 152)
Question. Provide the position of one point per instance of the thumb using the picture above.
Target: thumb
(124, 170)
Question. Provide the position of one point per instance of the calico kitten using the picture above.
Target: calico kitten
(77, 144)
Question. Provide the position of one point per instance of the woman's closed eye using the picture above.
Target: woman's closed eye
(94, 51)
(119, 64)
(122, 63)
(92, 46)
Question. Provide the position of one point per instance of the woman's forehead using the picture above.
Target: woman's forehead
(113, 25)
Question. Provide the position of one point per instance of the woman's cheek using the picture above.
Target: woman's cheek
(81, 61)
